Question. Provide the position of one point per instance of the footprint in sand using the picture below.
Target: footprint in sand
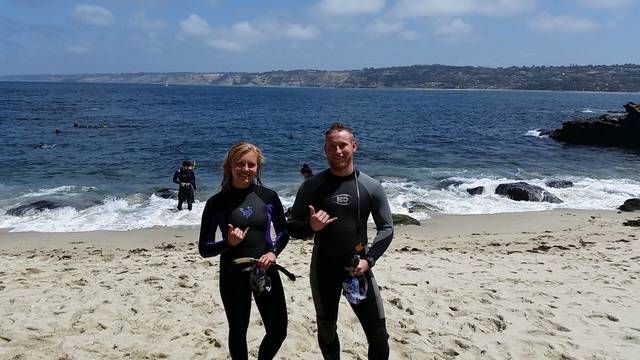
(397, 303)
(604, 316)
(559, 327)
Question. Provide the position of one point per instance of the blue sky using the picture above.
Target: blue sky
(64, 37)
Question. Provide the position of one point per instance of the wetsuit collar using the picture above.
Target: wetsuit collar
(235, 190)
(343, 177)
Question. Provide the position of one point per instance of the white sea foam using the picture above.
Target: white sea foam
(586, 193)
(536, 133)
(113, 214)
(141, 211)
(67, 190)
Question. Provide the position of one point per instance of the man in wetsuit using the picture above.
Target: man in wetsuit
(187, 181)
(334, 206)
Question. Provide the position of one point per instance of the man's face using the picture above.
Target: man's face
(339, 148)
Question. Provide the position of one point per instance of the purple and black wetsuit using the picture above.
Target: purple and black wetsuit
(255, 207)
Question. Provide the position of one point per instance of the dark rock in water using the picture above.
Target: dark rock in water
(630, 205)
(35, 206)
(419, 206)
(521, 191)
(476, 190)
(166, 193)
(401, 219)
(607, 130)
(559, 184)
(444, 184)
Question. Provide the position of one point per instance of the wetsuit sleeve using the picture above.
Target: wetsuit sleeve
(211, 220)
(299, 221)
(381, 213)
(175, 177)
(193, 180)
(279, 225)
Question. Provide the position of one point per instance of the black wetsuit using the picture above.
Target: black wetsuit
(257, 208)
(336, 244)
(187, 191)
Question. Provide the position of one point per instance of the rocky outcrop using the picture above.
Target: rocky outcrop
(166, 193)
(447, 183)
(478, 190)
(50, 204)
(419, 206)
(559, 184)
(40, 205)
(606, 130)
(630, 205)
(521, 191)
(401, 219)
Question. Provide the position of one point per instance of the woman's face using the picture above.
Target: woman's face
(244, 170)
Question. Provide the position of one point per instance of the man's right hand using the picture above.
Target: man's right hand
(318, 220)
(235, 235)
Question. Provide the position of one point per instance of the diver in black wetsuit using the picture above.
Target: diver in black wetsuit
(187, 181)
(306, 171)
(334, 205)
(243, 211)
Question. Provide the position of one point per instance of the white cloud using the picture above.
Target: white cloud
(455, 28)
(93, 15)
(438, 8)
(411, 35)
(140, 20)
(145, 32)
(607, 4)
(350, 7)
(224, 44)
(385, 27)
(243, 35)
(245, 29)
(81, 47)
(301, 32)
(194, 25)
(563, 23)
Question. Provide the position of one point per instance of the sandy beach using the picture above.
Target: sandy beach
(561, 284)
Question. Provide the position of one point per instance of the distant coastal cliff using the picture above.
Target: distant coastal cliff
(618, 78)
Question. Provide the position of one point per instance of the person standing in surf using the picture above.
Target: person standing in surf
(186, 178)
(334, 206)
(244, 211)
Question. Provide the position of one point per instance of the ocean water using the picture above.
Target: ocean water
(423, 146)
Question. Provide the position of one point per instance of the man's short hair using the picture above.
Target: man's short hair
(339, 127)
(186, 163)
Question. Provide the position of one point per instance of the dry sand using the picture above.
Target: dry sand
(556, 284)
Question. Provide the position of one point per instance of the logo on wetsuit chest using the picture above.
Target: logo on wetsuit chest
(246, 211)
(341, 199)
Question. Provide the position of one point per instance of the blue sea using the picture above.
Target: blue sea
(425, 147)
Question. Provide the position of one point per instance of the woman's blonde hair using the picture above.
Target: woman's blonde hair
(233, 155)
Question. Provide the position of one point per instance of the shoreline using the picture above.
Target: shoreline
(438, 226)
(324, 87)
(548, 284)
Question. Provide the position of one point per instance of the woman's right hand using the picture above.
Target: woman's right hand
(235, 235)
